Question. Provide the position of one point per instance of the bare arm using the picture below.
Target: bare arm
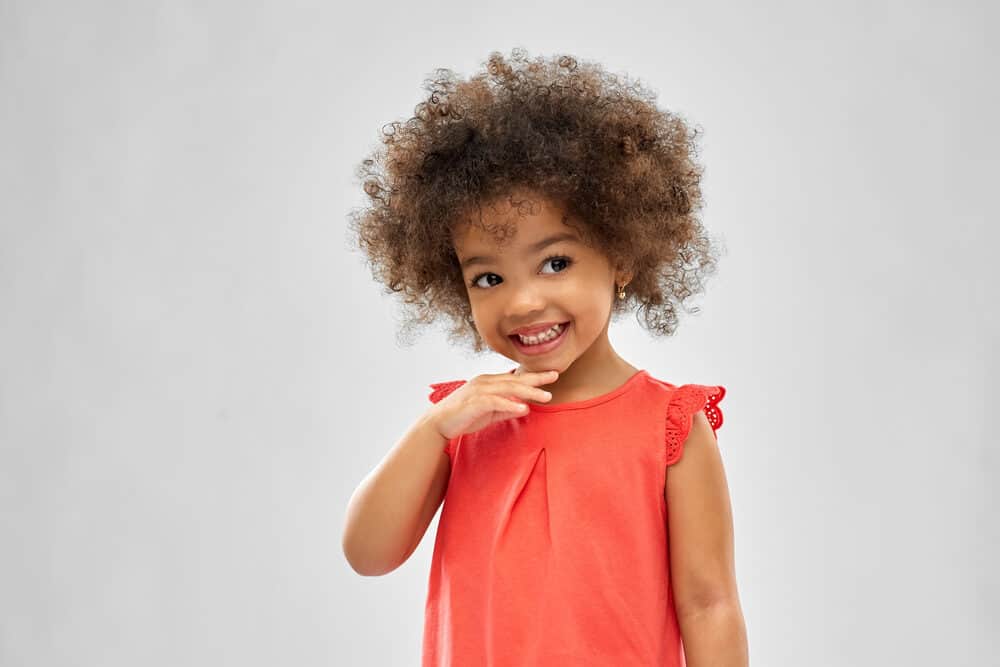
(715, 636)
(390, 510)
(702, 563)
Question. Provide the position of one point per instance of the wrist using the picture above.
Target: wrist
(430, 424)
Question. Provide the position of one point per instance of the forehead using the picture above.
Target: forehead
(518, 221)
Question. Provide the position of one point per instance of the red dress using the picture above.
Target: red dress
(552, 546)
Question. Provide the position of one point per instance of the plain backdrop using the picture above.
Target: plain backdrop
(197, 369)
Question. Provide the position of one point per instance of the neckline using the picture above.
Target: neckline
(593, 400)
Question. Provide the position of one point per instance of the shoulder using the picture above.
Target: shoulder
(688, 411)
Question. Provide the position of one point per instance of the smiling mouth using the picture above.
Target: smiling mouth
(541, 346)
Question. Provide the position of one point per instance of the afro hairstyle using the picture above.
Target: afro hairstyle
(563, 128)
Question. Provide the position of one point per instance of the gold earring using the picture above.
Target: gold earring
(621, 291)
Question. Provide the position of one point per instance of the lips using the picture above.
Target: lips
(534, 328)
(541, 348)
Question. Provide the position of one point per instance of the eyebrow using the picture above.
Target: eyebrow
(535, 247)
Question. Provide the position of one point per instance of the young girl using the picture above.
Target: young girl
(586, 516)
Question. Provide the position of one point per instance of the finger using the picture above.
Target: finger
(534, 377)
(510, 406)
(519, 372)
(523, 390)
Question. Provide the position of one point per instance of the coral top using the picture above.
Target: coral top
(552, 544)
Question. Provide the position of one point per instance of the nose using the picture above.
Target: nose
(527, 301)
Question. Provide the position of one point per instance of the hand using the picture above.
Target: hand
(490, 398)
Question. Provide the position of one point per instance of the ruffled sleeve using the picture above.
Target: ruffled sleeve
(440, 390)
(684, 402)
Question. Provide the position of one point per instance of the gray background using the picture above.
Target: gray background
(196, 370)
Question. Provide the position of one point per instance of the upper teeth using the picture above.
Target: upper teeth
(542, 337)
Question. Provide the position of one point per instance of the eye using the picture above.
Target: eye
(557, 259)
(475, 281)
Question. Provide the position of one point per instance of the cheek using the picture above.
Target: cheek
(594, 301)
(592, 314)
(484, 320)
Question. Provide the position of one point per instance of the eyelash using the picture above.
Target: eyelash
(569, 262)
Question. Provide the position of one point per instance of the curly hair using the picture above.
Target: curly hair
(561, 127)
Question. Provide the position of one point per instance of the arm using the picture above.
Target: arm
(390, 510)
(703, 573)
(715, 635)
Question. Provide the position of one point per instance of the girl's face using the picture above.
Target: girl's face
(545, 274)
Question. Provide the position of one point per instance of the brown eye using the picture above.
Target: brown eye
(558, 259)
(475, 281)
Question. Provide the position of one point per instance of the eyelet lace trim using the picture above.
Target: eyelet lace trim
(442, 389)
(685, 401)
